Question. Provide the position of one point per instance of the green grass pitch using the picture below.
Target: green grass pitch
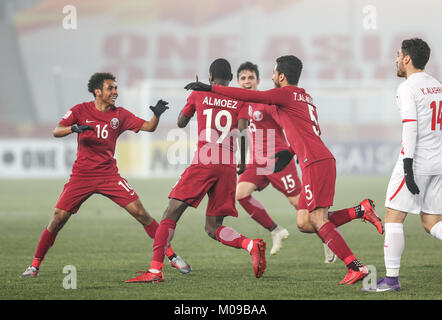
(106, 246)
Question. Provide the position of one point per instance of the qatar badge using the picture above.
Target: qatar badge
(114, 123)
(257, 115)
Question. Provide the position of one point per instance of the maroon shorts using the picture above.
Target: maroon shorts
(78, 190)
(286, 181)
(216, 180)
(318, 185)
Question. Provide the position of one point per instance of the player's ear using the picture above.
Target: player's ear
(211, 77)
(231, 77)
(97, 92)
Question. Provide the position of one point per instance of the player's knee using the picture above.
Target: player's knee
(58, 220)
(427, 226)
(305, 226)
(241, 194)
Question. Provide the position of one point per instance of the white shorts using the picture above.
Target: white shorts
(429, 199)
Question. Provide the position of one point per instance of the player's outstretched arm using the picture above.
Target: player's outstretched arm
(62, 131)
(182, 120)
(157, 110)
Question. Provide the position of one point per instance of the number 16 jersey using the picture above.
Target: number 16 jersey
(96, 149)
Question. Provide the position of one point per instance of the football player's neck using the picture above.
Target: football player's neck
(412, 70)
(102, 105)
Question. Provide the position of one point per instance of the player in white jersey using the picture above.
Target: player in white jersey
(416, 182)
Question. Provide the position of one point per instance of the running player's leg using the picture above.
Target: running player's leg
(221, 203)
(75, 192)
(249, 182)
(163, 237)
(46, 241)
(150, 225)
(328, 233)
(230, 237)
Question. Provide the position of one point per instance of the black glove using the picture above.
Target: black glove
(159, 108)
(283, 158)
(79, 129)
(409, 176)
(198, 86)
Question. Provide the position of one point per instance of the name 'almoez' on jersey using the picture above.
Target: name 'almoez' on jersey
(219, 102)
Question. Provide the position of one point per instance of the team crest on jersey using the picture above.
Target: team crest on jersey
(257, 115)
(114, 123)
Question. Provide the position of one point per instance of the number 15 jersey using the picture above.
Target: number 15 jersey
(419, 99)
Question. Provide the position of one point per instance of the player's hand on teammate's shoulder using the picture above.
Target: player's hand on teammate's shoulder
(81, 128)
(283, 158)
(198, 86)
(159, 108)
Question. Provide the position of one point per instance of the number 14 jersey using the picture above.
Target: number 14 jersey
(419, 98)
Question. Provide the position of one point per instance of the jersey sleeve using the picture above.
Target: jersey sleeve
(130, 121)
(70, 117)
(408, 111)
(244, 112)
(276, 96)
(189, 109)
(407, 104)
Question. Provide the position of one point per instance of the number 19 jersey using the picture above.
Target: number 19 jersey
(217, 118)
(419, 98)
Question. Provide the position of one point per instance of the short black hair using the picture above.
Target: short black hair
(248, 66)
(418, 50)
(97, 79)
(221, 70)
(291, 66)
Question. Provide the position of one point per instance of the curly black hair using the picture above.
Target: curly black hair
(97, 79)
(418, 50)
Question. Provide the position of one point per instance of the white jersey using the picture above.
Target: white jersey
(420, 102)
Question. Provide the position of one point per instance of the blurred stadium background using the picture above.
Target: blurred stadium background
(155, 47)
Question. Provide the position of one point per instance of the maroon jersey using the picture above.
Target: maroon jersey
(266, 136)
(298, 118)
(217, 118)
(96, 149)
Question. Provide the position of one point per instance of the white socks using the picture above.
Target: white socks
(436, 230)
(393, 247)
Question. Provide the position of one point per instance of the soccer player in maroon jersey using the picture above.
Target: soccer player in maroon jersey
(212, 172)
(98, 124)
(300, 121)
(266, 137)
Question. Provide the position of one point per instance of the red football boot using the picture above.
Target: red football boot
(148, 277)
(354, 276)
(258, 257)
(371, 216)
